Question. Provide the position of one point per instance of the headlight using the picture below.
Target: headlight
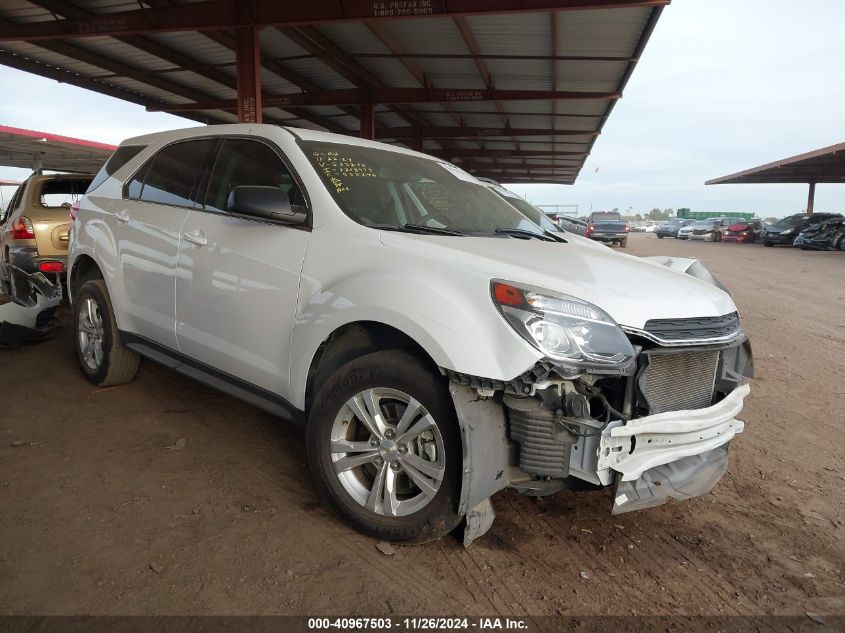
(788, 232)
(579, 336)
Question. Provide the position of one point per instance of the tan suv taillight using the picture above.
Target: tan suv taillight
(22, 229)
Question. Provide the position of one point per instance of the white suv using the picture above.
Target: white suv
(438, 345)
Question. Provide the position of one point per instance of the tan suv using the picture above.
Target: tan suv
(34, 228)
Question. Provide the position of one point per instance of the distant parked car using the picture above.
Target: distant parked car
(573, 225)
(608, 227)
(712, 229)
(786, 230)
(34, 227)
(747, 231)
(825, 236)
(671, 228)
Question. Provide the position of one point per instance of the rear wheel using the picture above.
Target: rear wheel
(384, 448)
(624, 243)
(102, 357)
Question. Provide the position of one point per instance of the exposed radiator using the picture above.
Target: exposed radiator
(680, 380)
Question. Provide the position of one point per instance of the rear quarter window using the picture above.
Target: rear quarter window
(121, 156)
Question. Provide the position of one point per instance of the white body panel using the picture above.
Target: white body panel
(236, 296)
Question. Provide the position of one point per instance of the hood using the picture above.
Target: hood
(630, 289)
(742, 226)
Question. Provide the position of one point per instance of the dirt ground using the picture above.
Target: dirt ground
(165, 497)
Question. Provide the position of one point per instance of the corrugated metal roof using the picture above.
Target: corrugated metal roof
(518, 51)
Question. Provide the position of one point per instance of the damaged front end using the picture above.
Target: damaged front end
(26, 314)
(657, 429)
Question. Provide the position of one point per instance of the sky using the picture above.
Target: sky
(723, 85)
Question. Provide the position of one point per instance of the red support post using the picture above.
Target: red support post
(248, 63)
(368, 121)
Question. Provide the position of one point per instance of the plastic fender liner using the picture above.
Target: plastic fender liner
(485, 455)
(658, 439)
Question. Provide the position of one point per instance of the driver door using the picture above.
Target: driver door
(237, 279)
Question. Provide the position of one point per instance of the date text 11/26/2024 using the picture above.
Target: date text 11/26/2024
(417, 624)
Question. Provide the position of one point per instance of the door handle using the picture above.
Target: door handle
(122, 217)
(196, 237)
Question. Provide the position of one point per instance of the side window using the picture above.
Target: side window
(243, 162)
(13, 203)
(173, 174)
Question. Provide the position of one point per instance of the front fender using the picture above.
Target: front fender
(448, 313)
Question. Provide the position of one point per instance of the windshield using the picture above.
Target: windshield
(710, 222)
(386, 189)
(792, 220)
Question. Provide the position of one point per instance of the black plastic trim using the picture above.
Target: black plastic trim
(199, 371)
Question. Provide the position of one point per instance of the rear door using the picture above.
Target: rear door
(147, 225)
(238, 278)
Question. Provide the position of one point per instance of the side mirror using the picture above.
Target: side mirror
(268, 203)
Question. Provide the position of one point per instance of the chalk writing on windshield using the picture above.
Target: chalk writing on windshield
(338, 169)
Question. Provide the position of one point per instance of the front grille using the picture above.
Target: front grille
(697, 328)
(675, 382)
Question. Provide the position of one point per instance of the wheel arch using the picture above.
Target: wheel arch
(84, 269)
(355, 339)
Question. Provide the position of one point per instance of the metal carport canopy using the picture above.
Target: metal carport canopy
(826, 165)
(34, 150)
(511, 89)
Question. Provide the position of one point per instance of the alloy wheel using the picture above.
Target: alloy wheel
(91, 333)
(388, 452)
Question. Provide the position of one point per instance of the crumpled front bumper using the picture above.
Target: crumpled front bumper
(682, 452)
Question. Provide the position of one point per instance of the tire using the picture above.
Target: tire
(768, 243)
(395, 382)
(94, 323)
(841, 243)
(717, 237)
(660, 237)
(624, 243)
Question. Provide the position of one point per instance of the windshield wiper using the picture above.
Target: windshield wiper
(525, 233)
(434, 230)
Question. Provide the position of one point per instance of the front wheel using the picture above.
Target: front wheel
(768, 243)
(659, 236)
(717, 237)
(384, 448)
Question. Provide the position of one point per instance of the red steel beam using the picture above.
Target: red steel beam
(212, 15)
(564, 180)
(313, 41)
(459, 152)
(549, 172)
(248, 64)
(471, 132)
(384, 95)
(497, 165)
(368, 122)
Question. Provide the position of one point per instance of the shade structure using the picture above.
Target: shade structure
(477, 82)
(31, 149)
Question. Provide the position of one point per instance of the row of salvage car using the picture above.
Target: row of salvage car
(819, 231)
